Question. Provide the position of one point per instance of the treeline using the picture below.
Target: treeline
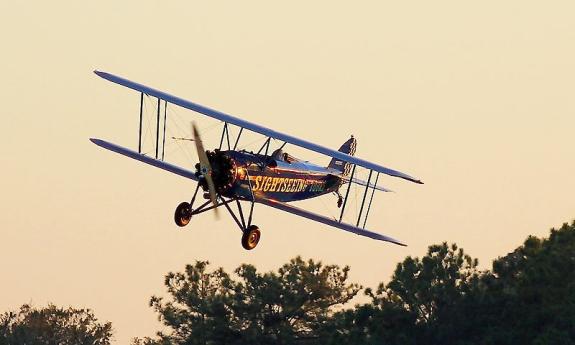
(528, 297)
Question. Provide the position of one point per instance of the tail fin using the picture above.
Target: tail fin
(348, 148)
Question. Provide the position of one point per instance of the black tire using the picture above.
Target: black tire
(183, 214)
(251, 237)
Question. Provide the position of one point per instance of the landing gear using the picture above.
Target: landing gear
(250, 233)
(251, 237)
(183, 214)
(339, 199)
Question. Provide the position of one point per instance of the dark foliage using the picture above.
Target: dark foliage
(53, 325)
(527, 298)
(283, 307)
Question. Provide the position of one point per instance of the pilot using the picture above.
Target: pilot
(281, 156)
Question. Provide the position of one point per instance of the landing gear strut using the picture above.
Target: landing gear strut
(339, 199)
(250, 233)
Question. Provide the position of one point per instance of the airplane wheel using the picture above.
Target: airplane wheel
(183, 214)
(251, 237)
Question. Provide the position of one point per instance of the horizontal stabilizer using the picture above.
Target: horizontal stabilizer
(142, 158)
(328, 221)
(253, 127)
(364, 183)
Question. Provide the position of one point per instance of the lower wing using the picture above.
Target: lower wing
(145, 159)
(328, 221)
(272, 203)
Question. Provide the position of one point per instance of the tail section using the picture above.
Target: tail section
(348, 148)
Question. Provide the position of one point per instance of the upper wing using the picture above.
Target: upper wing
(253, 127)
(142, 158)
(325, 220)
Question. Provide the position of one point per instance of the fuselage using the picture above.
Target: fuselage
(280, 177)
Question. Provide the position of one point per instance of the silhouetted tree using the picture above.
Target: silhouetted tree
(281, 307)
(417, 306)
(527, 298)
(53, 325)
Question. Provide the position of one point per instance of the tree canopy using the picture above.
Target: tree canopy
(53, 325)
(528, 297)
(292, 304)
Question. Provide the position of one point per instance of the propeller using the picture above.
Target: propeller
(205, 168)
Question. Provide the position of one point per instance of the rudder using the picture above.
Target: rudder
(348, 148)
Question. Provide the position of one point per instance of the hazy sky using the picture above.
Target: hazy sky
(474, 98)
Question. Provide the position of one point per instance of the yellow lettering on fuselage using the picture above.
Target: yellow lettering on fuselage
(285, 184)
(258, 180)
(267, 183)
(274, 184)
(288, 185)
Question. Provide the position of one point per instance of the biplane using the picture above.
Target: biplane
(229, 177)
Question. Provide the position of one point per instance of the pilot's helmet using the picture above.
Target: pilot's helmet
(278, 154)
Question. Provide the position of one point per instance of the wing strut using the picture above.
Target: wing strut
(140, 128)
(346, 194)
(238, 138)
(364, 195)
(159, 155)
(165, 121)
(226, 133)
(368, 185)
(266, 145)
(370, 200)
(158, 129)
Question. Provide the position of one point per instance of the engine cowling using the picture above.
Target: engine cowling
(223, 171)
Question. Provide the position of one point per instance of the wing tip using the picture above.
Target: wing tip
(102, 74)
(97, 141)
(394, 241)
(413, 179)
